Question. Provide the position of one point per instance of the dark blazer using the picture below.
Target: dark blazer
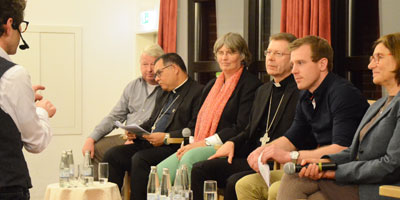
(378, 153)
(235, 116)
(248, 140)
(184, 109)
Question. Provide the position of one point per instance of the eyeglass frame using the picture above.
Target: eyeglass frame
(377, 57)
(160, 71)
(19, 26)
(278, 54)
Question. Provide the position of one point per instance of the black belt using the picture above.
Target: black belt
(12, 189)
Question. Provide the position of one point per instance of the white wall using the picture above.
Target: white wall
(389, 16)
(109, 62)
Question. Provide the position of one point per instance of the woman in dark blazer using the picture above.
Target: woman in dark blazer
(373, 159)
(226, 105)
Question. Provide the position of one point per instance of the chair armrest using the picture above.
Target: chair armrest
(174, 140)
(389, 191)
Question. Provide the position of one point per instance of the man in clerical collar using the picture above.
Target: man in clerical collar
(175, 107)
(327, 115)
(273, 111)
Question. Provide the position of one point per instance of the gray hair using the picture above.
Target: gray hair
(236, 43)
(153, 50)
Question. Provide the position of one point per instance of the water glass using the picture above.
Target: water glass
(75, 178)
(210, 190)
(103, 172)
(187, 194)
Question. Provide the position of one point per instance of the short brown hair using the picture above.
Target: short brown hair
(392, 42)
(235, 43)
(283, 36)
(320, 48)
(11, 9)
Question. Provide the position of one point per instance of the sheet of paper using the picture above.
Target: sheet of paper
(133, 128)
(264, 171)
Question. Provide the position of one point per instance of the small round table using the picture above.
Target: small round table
(107, 191)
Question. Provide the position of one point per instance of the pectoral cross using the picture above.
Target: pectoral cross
(264, 139)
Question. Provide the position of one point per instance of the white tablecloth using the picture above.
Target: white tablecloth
(107, 191)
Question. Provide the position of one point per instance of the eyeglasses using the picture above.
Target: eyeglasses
(275, 53)
(228, 53)
(160, 71)
(377, 57)
(23, 26)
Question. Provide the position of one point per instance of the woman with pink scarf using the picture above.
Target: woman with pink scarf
(226, 105)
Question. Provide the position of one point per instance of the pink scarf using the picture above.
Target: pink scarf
(212, 108)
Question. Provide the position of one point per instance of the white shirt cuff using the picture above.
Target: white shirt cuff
(214, 140)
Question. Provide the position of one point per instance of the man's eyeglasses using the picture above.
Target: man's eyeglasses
(377, 57)
(160, 71)
(23, 26)
(275, 53)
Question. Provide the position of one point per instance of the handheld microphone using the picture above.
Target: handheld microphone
(186, 132)
(291, 168)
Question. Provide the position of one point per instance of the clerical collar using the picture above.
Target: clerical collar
(174, 90)
(284, 82)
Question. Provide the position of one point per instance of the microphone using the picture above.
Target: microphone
(186, 132)
(291, 168)
(25, 45)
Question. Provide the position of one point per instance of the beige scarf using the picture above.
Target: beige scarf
(212, 108)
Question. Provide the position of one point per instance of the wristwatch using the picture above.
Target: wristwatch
(166, 139)
(208, 143)
(294, 155)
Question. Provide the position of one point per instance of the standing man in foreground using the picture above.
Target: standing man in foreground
(327, 114)
(23, 124)
(134, 107)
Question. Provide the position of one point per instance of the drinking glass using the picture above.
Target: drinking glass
(210, 190)
(103, 172)
(75, 176)
(187, 194)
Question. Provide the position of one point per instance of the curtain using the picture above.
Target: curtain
(306, 17)
(167, 25)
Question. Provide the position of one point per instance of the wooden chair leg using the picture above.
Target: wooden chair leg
(127, 186)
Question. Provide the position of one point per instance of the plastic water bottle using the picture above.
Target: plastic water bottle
(70, 159)
(87, 171)
(64, 170)
(153, 184)
(165, 186)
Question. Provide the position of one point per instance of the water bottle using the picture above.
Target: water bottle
(153, 184)
(177, 190)
(87, 170)
(70, 159)
(185, 177)
(165, 186)
(64, 170)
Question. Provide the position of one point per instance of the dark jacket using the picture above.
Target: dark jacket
(248, 140)
(184, 109)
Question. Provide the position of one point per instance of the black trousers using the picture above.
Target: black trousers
(14, 193)
(137, 159)
(220, 170)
